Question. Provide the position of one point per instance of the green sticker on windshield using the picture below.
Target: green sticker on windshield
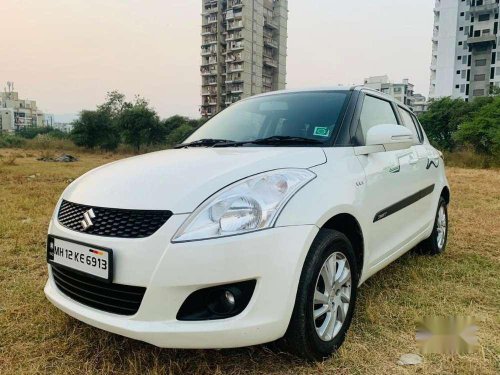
(321, 131)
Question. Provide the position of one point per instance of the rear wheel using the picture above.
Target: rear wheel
(436, 243)
(325, 298)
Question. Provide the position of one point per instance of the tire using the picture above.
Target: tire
(436, 243)
(303, 336)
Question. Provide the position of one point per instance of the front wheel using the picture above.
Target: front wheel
(325, 298)
(436, 243)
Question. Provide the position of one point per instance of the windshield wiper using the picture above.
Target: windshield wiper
(203, 143)
(274, 140)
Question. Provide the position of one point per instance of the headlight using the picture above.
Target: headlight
(248, 205)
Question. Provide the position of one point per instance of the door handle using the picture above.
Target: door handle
(413, 160)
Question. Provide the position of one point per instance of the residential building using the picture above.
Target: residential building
(400, 91)
(465, 48)
(419, 104)
(48, 120)
(63, 126)
(243, 50)
(403, 92)
(16, 113)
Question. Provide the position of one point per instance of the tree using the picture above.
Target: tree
(495, 91)
(115, 104)
(442, 120)
(95, 129)
(179, 128)
(482, 132)
(179, 134)
(140, 125)
(174, 122)
(135, 123)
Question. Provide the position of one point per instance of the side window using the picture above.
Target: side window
(418, 125)
(375, 112)
(408, 122)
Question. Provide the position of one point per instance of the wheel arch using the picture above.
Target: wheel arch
(350, 227)
(445, 193)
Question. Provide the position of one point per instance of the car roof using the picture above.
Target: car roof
(307, 89)
(336, 88)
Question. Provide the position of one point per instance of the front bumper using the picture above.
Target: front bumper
(171, 272)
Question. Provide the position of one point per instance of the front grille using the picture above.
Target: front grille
(112, 222)
(113, 298)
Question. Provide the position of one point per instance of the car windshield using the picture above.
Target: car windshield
(285, 117)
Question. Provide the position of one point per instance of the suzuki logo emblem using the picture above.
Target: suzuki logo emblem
(87, 219)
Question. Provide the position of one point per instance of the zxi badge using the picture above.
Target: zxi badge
(86, 223)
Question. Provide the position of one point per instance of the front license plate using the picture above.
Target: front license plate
(90, 260)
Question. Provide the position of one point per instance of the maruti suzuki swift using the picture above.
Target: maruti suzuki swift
(260, 226)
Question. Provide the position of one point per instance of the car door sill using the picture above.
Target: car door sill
(407, 246)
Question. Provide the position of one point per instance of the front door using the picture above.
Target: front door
(391, 187)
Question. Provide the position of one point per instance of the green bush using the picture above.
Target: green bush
(482, 132)
(33, 132)
(442, 120)
(58, 134)
(452, 124)
(48, 142)
(178, 135)
(179, 128)
(11, 141)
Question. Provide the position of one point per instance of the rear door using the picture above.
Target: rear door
(422, 168)
(390, 185)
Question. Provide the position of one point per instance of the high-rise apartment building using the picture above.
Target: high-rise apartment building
(243, 50)
(465, 48)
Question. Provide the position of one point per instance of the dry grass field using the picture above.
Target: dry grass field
(35, 337)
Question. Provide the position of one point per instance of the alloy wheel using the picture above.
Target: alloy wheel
(332, 296)
(441, 227)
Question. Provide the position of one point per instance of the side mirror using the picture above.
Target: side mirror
(387, 137)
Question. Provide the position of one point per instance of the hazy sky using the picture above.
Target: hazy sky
(67, 54)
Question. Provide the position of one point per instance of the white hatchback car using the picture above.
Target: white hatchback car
(260, 226)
